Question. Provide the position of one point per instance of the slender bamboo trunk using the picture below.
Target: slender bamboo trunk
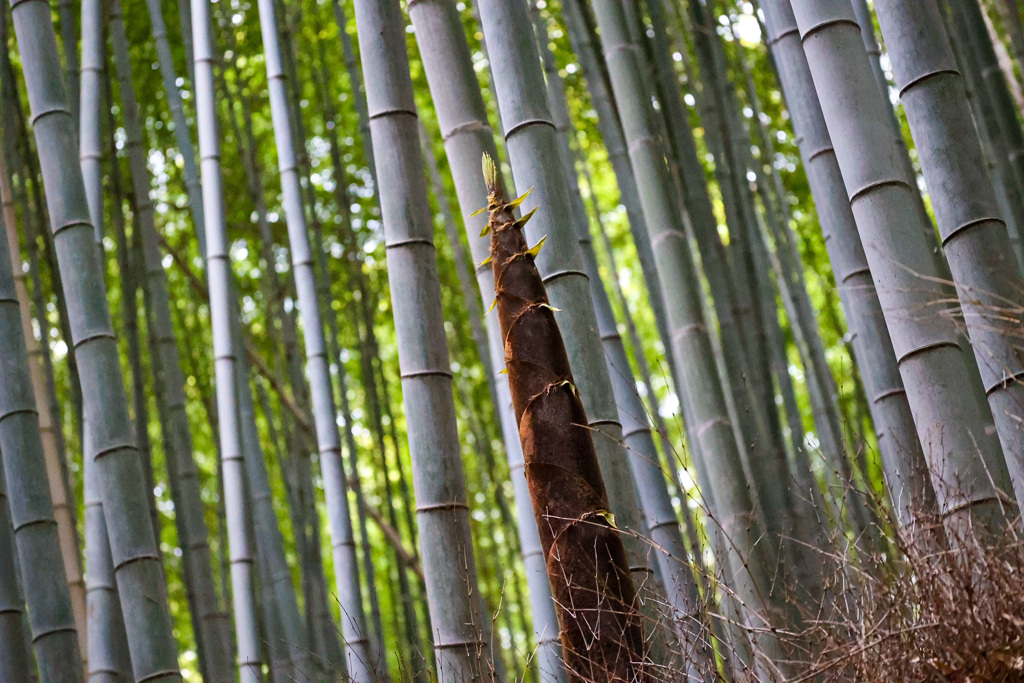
(91, 121)
(442, 510)
(223, 313)
(360, 663)
(355, 82)
(109, 660)
(209, 623)
(708, 422)
(49, 419)
(467, 135)
(269, 540)
(649, 480)
(126, 262)
(668, 448)
(974, 236)
(1003, 58)
(140, 580)
(611, 133)
(69, 39)
(182, 132)
(16, 663)
(19, 158)
(987, 118)
(950, 421)
(36, 537)
(321, 274)
(747, 327)
(417, 661)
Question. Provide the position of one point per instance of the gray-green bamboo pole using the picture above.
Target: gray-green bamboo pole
(965, 462)
(725, 294)
(326, 645)
(16, 664)
(441, 504)
(211, 628)
(462, 117)
(649, 480)
(91, 122)
(182, 132)
(373, 627)
(716, 102)
(269, 540)
(72, 73)
(356, 88)
(1004, 174)
(140, 578)
(19, 157)
(709, 423)
(49, 419)
(867, 29)
(667, 447)
(473, 306)
(360, 663)
(130, 312)
(223, 313)
(789, 278)
(417, 661)
(974, 235)
(51, 617)
(611, 133)
(109, 661)
(968, 24)
(752, 305)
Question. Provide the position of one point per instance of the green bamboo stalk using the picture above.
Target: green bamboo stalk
(181, 128)
(69, 39)
(708, 423)
(974, 236)
(276, 575)
(212, 632)
(36, 538)
(576, 17)
(462, 117)
(109, 660)
(442, 510)
(360, 662)
(950, 421)
(649, 480)
(41, 373)
(355, 84)
(22, 165)
(90, 124)
(15, 661)
(140, 580)
(223, 313)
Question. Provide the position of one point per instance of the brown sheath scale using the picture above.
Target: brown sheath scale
(601, 630)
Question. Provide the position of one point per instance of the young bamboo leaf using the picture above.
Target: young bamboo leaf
(535, 249)
(521, 223)
(516, 202)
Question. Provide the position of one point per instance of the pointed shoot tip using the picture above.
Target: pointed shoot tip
(490, 173)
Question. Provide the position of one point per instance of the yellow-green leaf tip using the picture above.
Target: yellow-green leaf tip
(516, 202)
(537, 247)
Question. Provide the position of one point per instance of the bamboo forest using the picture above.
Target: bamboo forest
(512, 341)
